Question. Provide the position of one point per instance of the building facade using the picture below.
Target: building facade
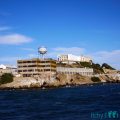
(85, 59)
(69, 58)
(35, 67)
(82, 71)
(8, 69)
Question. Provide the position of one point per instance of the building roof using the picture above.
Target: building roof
(7, 66)
(2, 66)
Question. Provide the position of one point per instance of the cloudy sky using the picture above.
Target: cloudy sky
(80, 27)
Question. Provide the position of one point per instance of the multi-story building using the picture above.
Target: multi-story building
(36, 66)
(82, 71)
(8, 69)
(69, 58)
(85, 59)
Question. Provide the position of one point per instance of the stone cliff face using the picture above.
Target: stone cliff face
(64, 80)
(22, 83)
(60, 80)
(109, 78)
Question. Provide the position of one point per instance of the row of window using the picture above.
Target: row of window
(20, 62)
(36, 70)
(82, 73)
(37, 66)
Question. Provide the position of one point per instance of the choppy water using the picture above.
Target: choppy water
(75, 103)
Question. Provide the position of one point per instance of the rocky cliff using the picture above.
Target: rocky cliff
(60, 80)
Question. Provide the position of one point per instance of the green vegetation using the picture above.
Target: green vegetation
(105, 65)
(6, 78)
(86, 64)
(95, 79)
(97, 68)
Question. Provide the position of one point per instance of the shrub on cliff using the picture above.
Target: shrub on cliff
(95, 79)
(6, 78)
(105, 65)
(86, 64)
(97, 68)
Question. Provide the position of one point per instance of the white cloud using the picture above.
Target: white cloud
(32, 55)
(14, 39)
(54, 52)
(110, 57)
(9, 60)
(69, 50)
(13, 59)
(28, 49)
(4, 28)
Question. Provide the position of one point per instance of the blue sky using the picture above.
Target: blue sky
(88, 27)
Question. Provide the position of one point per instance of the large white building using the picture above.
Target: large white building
(73, 58)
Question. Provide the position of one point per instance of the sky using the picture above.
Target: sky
(79, 27)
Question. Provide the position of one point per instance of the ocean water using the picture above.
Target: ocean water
(73, 103)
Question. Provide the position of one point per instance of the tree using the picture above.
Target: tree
(97, 68)
(105, 65)
(86, 64)
(95, 79)
(6, 78)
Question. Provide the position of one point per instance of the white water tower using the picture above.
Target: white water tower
(42, 50)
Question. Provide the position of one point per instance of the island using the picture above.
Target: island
(101, 74)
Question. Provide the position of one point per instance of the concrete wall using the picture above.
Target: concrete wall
(82, 71)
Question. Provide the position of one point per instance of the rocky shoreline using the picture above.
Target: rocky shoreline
(61, 80)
